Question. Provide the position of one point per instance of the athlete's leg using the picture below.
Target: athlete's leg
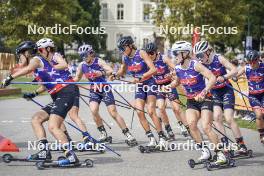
(74, 115)
(37, 124)
(151, 108)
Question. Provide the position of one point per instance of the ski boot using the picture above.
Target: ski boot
(89, 145)
(71, 158)
(41, 155)
(162, 145)
(130, 141)
(170, 134)
(104, 138)
(183, 129)
(149, 147)
(222, 161)
(71, 161)
(205, 157)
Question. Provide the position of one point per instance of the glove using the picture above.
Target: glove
(30, 95)
(6, 81)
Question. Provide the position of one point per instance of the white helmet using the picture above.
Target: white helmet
(45, 42)
(201, 47)
(85, 50)
(181, 46)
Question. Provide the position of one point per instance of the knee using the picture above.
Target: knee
(113, 113)
(95, 112)
(207, 128)
(73, 113)
(192, 125)
(36, 119)
(218, 118)
(230, 121)
(162, 110)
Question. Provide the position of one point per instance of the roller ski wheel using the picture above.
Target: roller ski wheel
(88, 163)
(131, 143)
(40, 165)
(192, 163)
(7, 158)
(108, 139)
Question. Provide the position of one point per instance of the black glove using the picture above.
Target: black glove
(6, 81)
(30, 95)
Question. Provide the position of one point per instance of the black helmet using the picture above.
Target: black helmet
(124, 41)
(151, 47)
(26, 45)
(252, 55)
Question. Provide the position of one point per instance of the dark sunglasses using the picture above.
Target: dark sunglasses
(151, 53)
(200, 56)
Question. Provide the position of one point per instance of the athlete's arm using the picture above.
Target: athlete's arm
(241, 71)
(169, 62)
(232, 69)
(175, 82)
(122, 70)
(33, 64)
(152, 70)
(108, 70)
(79, 73)
(207, 74)
(41, 89)
(62, 64)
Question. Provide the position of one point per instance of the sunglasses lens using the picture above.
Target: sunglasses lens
(200, 56)
(151, 53)
(175, 53)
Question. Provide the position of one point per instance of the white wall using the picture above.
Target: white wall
(133, 23)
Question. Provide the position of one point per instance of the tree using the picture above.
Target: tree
(214, 13)
(17, 15)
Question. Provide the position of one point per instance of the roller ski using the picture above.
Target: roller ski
(241, 153)
(70, 161)
(104, 138)
(40, 156)
(130, 141)
(205, 157)
(162, 146)
(222, 161)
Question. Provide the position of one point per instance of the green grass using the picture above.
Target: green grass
(246, 124)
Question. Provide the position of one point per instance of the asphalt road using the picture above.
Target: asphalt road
(15, 124)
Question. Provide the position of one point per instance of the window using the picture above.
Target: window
(146, 12)
(118, 36)
(120, 11)
(145, 42)
(104, 14)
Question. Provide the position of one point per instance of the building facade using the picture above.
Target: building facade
(127, 17)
